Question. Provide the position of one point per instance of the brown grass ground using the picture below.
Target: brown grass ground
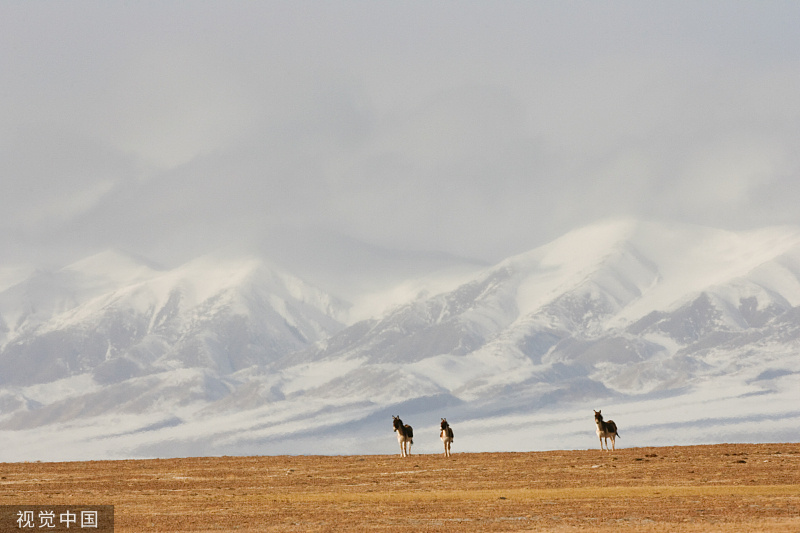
(741, 487)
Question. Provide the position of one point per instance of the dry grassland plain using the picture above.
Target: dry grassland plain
(730, 487)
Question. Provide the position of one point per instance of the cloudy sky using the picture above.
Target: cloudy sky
(480, 129)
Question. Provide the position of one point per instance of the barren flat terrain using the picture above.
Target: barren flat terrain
(731, 487)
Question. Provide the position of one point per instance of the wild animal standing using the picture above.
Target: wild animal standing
(446, 434)
(405, 436)
(606, 430)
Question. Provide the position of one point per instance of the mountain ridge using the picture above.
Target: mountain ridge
(240, 355)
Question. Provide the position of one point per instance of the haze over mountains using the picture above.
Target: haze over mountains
(681, 334)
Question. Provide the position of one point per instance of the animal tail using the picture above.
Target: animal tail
(409, 431)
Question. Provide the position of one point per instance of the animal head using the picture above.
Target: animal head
(444, 423)
(396, 422)
(597, 416)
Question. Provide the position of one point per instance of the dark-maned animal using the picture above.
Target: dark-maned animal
(446, 434)
(405, 436)
(605, 430)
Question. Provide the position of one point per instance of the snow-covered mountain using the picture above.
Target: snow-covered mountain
(119, 328)
(681, 334)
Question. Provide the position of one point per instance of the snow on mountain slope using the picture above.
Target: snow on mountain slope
(692, 259)
(651, 266)
(669, 326)
(117, 319)
(570, 302)
(612, 310)
(35, 301)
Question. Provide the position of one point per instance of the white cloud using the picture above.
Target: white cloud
(481, 130)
